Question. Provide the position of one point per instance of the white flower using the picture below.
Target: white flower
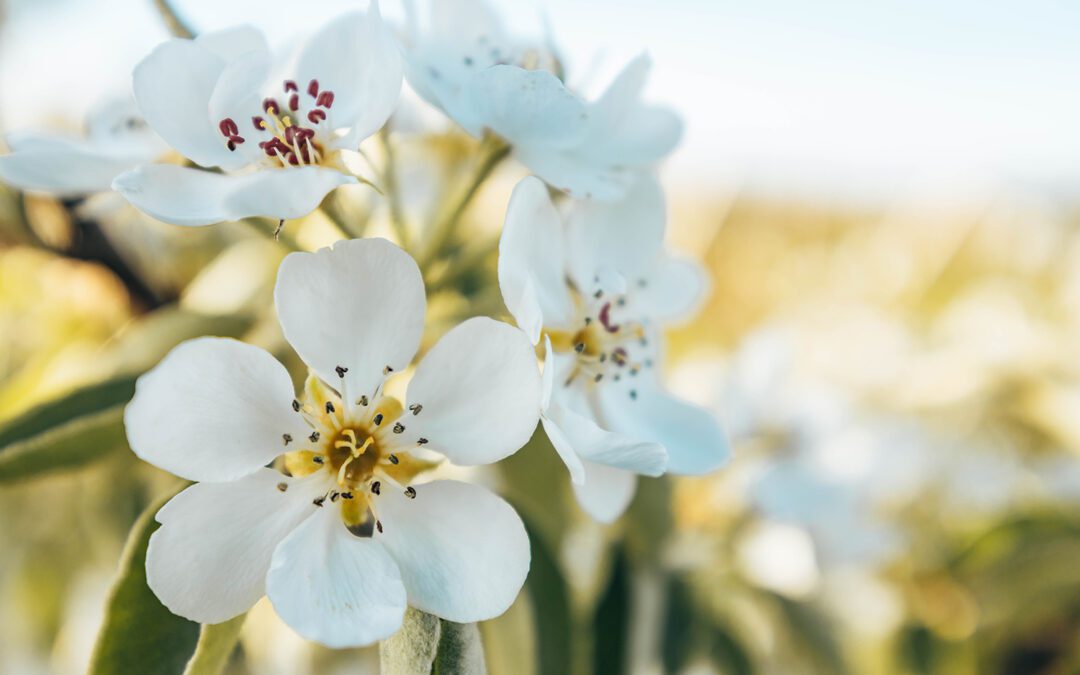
(116, 139)
(278, 141)
(596, 288)
(342, 541)
(465, 64)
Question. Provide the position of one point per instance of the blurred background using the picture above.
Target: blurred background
(887, 199)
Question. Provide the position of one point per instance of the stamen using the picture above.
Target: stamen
(340, 371)
(316, 116)
(393, 459)
(259, 123)
(318, 459)
(378, 526)
(290, 86)
(416, 408)
(378, 419)
(318, 501)
(313, 88)
(329, 407)
(387, 370)
(325, 99)
(376, 487)
(363, 401)
(294, 102)
(282, 486)
(287, 438)
(410, 492)
(296, 405)
(314, 437)
(398, 427)
(421, 441)
(271, 106)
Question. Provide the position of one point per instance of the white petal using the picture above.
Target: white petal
(193, 197)
(61, 166)
(356, 57)
(479, 389)
(333, 587)
(625, 236)
(532, 260)
(173, 86)
(463, 552)
(565, 449)
(238, 96)
(606, 492)
(599, 446)
(234, 42)
(530, 106)
(214, 409)
(576, 174)
(622, 94)
(209, 559)
(359, 305)
(673, 291)
(695, 442)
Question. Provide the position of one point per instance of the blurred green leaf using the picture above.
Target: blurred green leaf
(66, 433)
(412, 649)
(216, 644)
(551, 603)
(460, 650)
(139, 634)
(691, 632)
(611, 623)
(811, 632)
(510, 640)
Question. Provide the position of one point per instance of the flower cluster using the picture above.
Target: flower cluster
(325, 501)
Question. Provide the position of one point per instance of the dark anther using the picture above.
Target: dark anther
(313, 88)
(228, 127)
(633, 394)
(316, 116)
(378, 419)
(603, 357)
(387, 370)
(290, 86)
(340, 371)
(271, 106)
(282, 486)
(334, 496)
(287, 438)
(588, 320)
(579, 347)
(294, 102)
(421, 441)
(325, 99)
(599, 376)
(314, 437)
(258, 122)
(393, 459)
(410, 492)
(598, 294)
(318, 501)
(398, 427)
(363, 401)
(376, 487)
(318, 459)
(416, 408)
(280, 224)
(329, 407)
(346, 495)
(378, 526)
(230, 145)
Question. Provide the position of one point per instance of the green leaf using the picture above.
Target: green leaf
(88, 400)
(216, 644)
(412, 649)
(460, 650)
(79, 441)
(611, 623)
(551, 602)
(139, 634)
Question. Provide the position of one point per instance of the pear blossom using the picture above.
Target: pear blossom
(465, 64)
(337, 533)
(279, 143)
(116, 139)
(597, 286)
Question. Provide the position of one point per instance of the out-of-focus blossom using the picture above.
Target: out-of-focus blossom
(117, 139)
(342, 541)
(279, 147)
(598, 287)
(466, 64)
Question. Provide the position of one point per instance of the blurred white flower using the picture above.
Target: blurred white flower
(596, 288)
(117, 139)
(342, 541)
(280, 148)
(466, 65)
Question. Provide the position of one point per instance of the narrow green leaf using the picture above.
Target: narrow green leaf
(551, 602)
(139, 634)
(412, 649)
(88, 400)
(611, 623)
(216, 644)
(510, 640)
(73, 444)
(460, 650)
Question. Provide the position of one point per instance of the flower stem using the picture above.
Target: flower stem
(493, 150)
(176, 25)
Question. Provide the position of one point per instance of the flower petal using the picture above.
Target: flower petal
(356, 57)
(234, 42)
(532, 259)
(565, 449)
(238, 95)
(578, 175)
(333, 587)
(606, 492)
(61, 166)
(193, 197)
(673, 291)
(209, 559)
(625, 236)
(359, 305)
(463, 552)
(173, 86)
(479, 389)
(695, 442)
(530, 106)
(214, 409)
(599, 446)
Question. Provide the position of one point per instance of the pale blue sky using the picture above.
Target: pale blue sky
(832, 98)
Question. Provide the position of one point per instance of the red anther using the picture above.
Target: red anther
(293, 159)
(290, 86)
(236, 139)
(316, 116)
(294, 102)
(258, 122)
(326, 99)
(605, 319)
(290, 134)
(313, 88)
(302, 133)
(619, 356)
(271, 106)
(230, 145)
(228, 127)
